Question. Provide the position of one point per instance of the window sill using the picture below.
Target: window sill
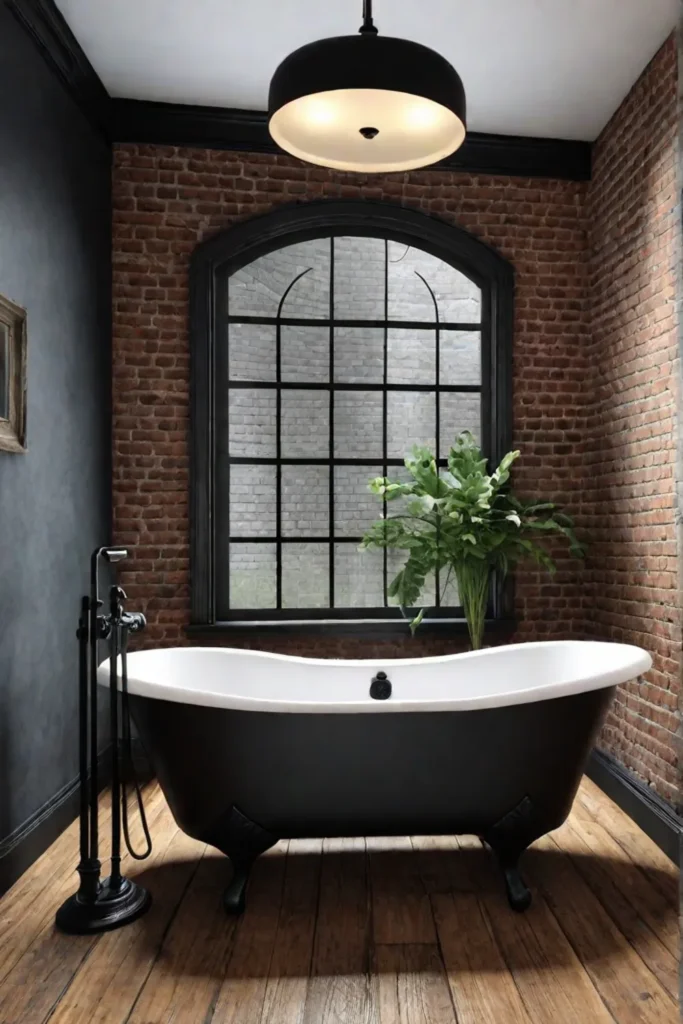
(369, 629)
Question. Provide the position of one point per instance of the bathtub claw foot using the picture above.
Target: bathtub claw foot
(508, 839)
(242, 840)
(235, 896)
(519, 895)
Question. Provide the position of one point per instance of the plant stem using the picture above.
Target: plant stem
(473, 587)
(445, 586)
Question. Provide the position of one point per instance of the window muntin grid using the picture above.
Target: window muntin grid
(353, 398)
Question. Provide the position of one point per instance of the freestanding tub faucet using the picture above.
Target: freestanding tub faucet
(103, 905)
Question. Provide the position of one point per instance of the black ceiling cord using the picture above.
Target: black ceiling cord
(368, 26)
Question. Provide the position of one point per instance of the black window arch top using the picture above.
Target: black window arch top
(326, 338)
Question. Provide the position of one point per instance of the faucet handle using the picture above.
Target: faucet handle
(134, 622)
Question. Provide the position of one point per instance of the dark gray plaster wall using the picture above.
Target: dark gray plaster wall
(55, 501)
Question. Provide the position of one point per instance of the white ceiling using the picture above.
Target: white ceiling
(557, 68)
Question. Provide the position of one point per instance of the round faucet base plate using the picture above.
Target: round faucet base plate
(112, 909)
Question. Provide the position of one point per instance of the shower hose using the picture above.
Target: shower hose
(125, 753)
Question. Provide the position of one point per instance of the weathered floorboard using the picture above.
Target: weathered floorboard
(352, 931)
(411, 986)
(626, 985)
(481, 986)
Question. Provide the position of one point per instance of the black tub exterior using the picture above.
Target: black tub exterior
(240, 780)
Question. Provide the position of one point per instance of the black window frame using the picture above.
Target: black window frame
(219, 257)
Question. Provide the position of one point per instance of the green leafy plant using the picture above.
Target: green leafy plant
(463, 522)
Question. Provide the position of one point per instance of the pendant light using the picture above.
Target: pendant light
(367, 103)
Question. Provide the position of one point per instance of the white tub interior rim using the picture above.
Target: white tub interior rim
(246, 680)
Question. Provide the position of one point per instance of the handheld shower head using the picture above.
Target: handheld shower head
(115, 554)
(110, 555)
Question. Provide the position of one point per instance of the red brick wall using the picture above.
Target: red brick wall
(167, 200)
(632, 588)
(595, 379)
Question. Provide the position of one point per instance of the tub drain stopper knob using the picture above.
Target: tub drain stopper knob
(380, 687)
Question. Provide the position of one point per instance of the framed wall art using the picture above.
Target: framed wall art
(12, 377)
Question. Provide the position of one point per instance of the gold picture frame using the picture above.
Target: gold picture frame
(12, 377)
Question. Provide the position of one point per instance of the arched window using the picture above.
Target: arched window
(327, 339)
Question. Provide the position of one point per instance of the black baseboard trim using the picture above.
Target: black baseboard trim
(21, 848)
(656, 817)
(184, 124)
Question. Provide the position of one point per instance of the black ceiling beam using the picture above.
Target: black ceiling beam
(182, 124)
(179, 124)
(49, 30)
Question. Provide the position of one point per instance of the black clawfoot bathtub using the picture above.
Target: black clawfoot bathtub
(252, 747)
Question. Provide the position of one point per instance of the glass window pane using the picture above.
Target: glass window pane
(411, 420)
(458, 412)
(358, 355)
(411, 356)
(258, 288)
(395, 562)
(251, 351)
(305, 501)
(358, 424)
(252, 501)
(355, 508)
(305, 354)
(458, 299)
(309, 297)
(252, 422)
(305, 575)
(253, 570)
(359, 278)
(357, 577)
(448, 587)
(305, 424)
(460, 360)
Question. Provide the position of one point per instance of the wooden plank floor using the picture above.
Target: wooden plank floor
(353, 931)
